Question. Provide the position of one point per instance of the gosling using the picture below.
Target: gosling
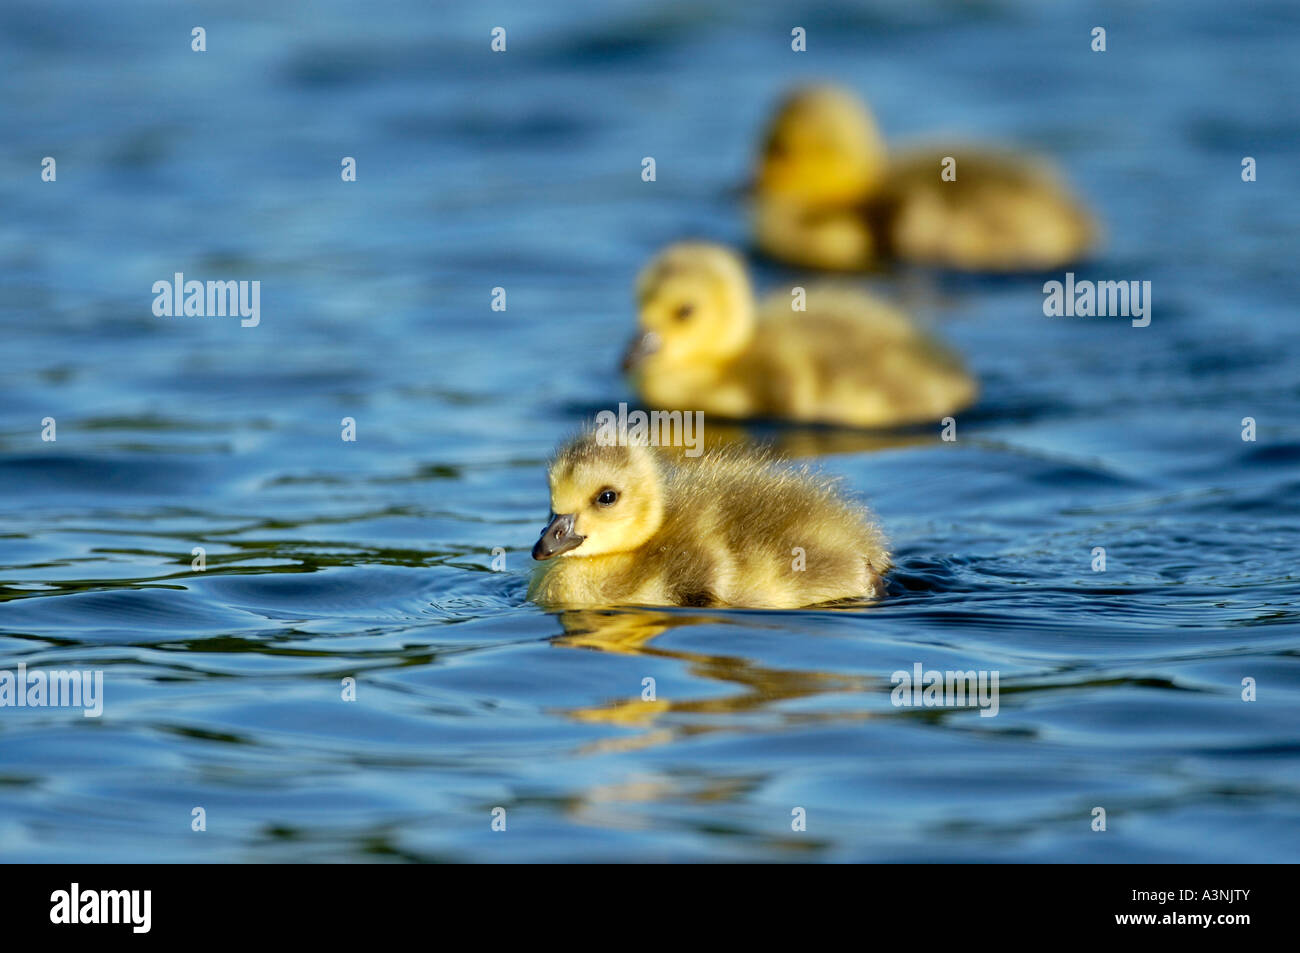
(828, 196)
(847, 359)
(638, 525)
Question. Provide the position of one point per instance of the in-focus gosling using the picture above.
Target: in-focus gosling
(641, 525)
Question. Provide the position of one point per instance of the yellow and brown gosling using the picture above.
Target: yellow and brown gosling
(827, 195)
(640, 525)
(849, 359)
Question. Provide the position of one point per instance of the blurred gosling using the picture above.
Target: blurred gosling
(828, 196)
(848, 359)
(641, 525)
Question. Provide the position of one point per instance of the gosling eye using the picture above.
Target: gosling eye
(684, 311)
(607, 497)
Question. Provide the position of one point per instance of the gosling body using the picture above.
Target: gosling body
(828, 195)
(732, 527)
(846, 358)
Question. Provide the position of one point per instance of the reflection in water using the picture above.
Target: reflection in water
(664, 721)
(797, 441)
(630, 632)
(800, 442)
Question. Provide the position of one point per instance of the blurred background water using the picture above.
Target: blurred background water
(373, 559)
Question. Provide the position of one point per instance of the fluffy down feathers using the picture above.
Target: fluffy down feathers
(827, 195)
(846, 359)
(733, 527)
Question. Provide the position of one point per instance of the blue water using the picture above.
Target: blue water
(326, 559)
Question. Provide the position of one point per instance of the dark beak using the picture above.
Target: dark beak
(558, 537)
(642, 346)
(744, 191)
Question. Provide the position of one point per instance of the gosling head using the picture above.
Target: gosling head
(822, 147)
(604, 499)
(696, 311)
